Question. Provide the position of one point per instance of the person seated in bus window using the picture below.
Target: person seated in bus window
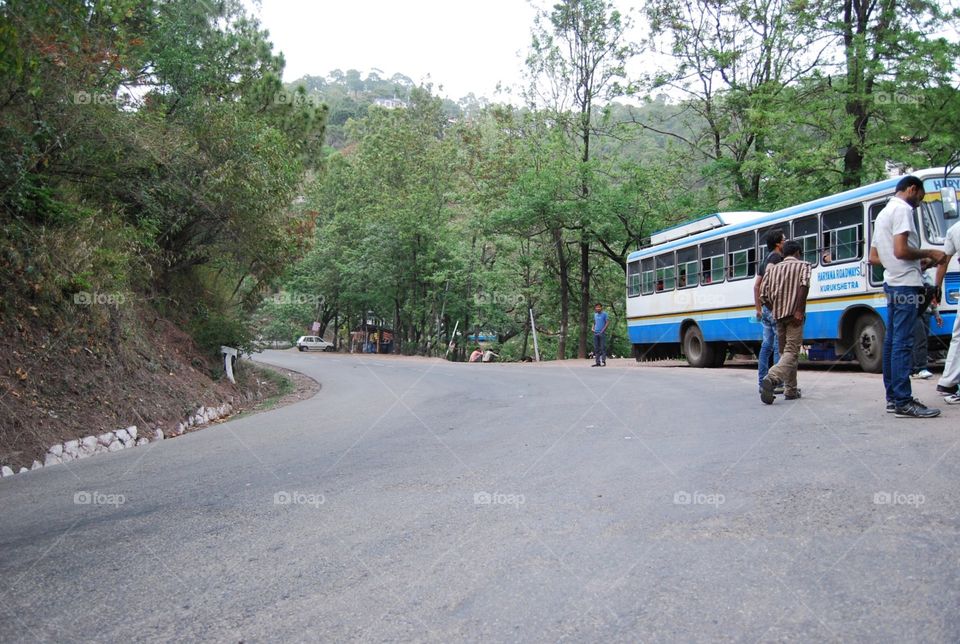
(682, 280)
(826, 258)
(659, 285)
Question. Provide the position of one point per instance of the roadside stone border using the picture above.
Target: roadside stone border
(119, 439)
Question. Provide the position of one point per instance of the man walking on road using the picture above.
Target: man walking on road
(896, 246)
(770, 345)
(784, 290)
(600, 322)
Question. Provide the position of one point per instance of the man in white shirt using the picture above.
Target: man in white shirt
(896, 245)
(951, 368)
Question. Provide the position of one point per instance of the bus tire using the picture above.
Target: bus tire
(719, 354)
(868, 342)
(697, 352)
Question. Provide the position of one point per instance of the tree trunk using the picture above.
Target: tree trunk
(564, 294)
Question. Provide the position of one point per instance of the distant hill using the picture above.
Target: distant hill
(350, 94)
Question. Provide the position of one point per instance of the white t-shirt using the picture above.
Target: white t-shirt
(951, 242)
(895, 219)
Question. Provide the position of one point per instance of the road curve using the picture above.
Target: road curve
(415, 499)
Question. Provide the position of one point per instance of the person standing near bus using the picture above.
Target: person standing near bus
(770, 345)
(896, 246)
(784, 290)
(949, 380)
(600, 321)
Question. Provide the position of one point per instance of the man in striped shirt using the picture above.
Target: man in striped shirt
(784, 291)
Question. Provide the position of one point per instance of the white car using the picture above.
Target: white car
(313, 343)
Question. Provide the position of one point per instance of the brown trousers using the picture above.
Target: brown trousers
(790, 335)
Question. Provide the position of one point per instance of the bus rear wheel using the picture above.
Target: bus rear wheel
(868, 343)
(697, 352)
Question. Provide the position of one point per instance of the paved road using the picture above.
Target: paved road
(422, 500)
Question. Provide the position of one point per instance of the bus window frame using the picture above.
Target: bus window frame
(630, 292)
(653, 275)
(722, 244)
(857, 211)
(873, 211)
(658, 268)
(816, 237)
(696, 264)
(751, 248)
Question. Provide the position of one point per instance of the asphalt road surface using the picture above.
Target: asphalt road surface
(415, 499)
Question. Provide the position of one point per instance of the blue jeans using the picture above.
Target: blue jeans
(898, 342)
(770, 343)
(600, 348)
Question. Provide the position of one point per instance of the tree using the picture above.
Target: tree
(578, 58)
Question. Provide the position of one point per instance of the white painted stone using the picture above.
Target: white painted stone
(115, 446)
(142, 441)
(158, 434)
(132, 430)
(201, 411)
(68, 456)
(22, 470)
(36, 465)
(51, 459)
(71, 446)
(5, 471)
(56, 450)
(106, 439)
(89, 442)
(122, 435)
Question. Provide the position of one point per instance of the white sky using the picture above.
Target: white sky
(463, 45)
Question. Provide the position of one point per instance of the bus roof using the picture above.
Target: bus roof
(702, 224)
(784, 213)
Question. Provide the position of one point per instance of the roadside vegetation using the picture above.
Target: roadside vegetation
(163, 193)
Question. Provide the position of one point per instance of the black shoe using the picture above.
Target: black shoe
(603, 364)
(596, 364)
(766, 391)
(891, 407)
(916, 410)
(947, 391)
(793, 396)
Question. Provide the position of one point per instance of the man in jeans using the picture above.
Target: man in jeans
(600, 321)
(784, 290)
(770, 345)
(896, 246)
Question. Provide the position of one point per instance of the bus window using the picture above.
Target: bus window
(876, 272)
(742, 255)
(666, 267)
(842, 235)
(633, 279)
(805, 232)
(687, 274)
(646, 276)
(711, 262)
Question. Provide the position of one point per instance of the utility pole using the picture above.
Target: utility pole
(536, 346)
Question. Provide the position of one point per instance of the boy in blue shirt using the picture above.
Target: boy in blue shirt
(599, 339)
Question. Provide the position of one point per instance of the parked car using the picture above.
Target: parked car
(313, 343)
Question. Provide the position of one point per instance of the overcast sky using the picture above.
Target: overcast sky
(463, 45)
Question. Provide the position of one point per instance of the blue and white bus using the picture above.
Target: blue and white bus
(690, 291)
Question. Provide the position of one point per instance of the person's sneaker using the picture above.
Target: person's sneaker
(916, 409)
(952, 399)
(596, 364)
(792, 396)
(948, 390)
(891, 407)
(778, 389)
(766, 391)
(923, 374)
